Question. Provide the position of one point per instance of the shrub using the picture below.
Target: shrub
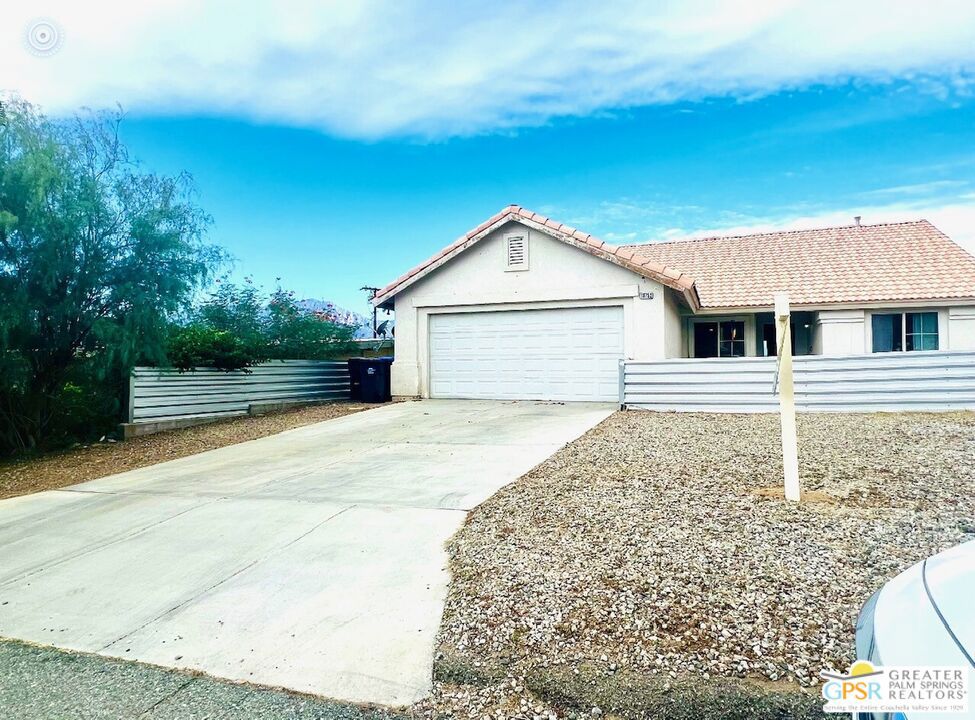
(199, 345)
(294, 333)
(236, 327)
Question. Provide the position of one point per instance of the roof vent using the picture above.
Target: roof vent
(856, 219)
(516, 248)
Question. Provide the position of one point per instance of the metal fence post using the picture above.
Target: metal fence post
(622, 390)
(130, 410)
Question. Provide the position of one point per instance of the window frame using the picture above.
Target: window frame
(904, 334)
(922, 333)
(734, 341)
(719, 322)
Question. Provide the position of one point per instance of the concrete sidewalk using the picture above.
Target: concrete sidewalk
(311, 560)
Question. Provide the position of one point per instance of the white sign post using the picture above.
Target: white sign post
(787, 401)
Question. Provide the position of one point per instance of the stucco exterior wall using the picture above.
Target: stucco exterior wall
(842, 332)
(961, 328)
(558, 276)
(674, 344)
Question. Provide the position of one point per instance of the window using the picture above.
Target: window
(921, 331)
(894, 332)
(732, 339)
(516, 252)
(719, 339)
(888, 332)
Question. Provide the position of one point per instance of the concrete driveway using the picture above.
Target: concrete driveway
(312, 560)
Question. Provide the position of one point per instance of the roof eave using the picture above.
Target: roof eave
(448, 253)
(871, 304)
(569, 235)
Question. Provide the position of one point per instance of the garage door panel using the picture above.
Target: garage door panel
(559, 354)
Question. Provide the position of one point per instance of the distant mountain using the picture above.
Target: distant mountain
(346, 317)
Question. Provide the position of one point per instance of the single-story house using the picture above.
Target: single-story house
(524, 307)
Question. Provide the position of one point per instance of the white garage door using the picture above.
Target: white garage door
(567, 354)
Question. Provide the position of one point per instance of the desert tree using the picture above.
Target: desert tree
(96, 256)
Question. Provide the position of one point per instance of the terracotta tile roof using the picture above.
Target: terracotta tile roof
(625, 258)
(851, 264)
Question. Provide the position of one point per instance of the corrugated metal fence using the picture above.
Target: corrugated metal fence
(157, 394)
(854, 383)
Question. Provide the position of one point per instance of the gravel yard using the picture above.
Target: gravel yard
(652, 568)
(55, 470)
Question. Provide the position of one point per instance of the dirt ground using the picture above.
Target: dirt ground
(87, 462)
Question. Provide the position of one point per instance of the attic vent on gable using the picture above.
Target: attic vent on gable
(516, 249)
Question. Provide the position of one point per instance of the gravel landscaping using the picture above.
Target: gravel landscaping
(55, 470)
(652, 569)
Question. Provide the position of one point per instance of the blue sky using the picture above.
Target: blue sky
(340, 167)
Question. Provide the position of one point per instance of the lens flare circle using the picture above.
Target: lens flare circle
(43, 36)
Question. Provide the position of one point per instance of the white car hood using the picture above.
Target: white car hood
(909, 629)
(950, 579)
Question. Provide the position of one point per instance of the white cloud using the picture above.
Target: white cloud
(928, 188)
(372, 69)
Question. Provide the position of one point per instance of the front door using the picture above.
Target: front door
(705, 339)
